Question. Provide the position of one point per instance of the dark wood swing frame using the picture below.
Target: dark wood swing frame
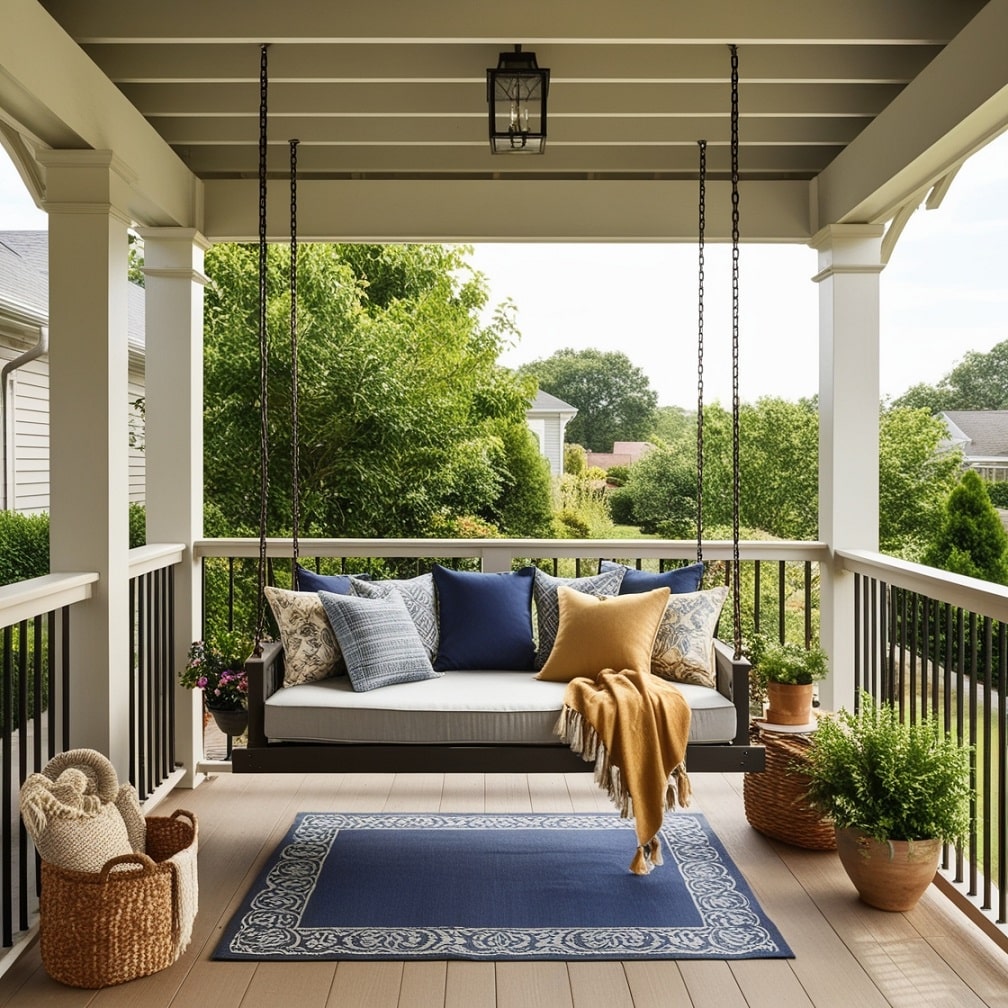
(265, 667)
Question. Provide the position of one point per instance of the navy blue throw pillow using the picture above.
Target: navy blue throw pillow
(338, 584)
(484, 620)
(678, 581)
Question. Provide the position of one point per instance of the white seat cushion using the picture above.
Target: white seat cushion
(462, 708)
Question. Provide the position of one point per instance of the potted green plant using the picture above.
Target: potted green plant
(896, 792)
(217, 667)
(783, 674)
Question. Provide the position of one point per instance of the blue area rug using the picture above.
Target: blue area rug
(496, 887)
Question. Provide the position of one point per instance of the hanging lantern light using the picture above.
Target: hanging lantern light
(516, 94)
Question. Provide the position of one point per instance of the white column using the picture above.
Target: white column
(87, 193)
(849, 267)
(173, 271)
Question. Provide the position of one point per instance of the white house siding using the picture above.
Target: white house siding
(26, 454)
(137, 458)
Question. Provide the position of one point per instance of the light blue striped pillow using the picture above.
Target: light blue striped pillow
(379, 640)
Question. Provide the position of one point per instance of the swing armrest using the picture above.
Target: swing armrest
(265, 677)
(733, 683)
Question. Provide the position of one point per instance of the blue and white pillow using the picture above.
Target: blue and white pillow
(548, 606)
(379, 641)
(417, 593)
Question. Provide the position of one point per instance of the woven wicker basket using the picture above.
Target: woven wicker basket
(128, 920)
(775, 800)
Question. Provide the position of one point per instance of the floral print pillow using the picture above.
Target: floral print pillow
(311, 652)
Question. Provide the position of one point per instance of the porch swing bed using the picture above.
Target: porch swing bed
(468, 718)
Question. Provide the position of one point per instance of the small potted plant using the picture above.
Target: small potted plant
(783, 674)
(896, 792)
(217, 667)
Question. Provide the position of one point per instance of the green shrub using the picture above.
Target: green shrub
(617, 475)
(137, 525)
(998, 493)
(621, 506)
(24, 546)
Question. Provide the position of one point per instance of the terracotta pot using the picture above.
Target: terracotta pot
(892, 875)
(789, 704)
(230, 722)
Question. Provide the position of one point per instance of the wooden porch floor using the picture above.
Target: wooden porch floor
(846, 954)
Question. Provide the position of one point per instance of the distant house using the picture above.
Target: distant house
(547, 418)
(982, 436)
(24, 373)
(624, 453)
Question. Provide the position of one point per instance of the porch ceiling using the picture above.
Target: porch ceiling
(846, 109)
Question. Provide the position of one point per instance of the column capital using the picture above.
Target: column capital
(87, 181)
(175, 253)
(848, 248)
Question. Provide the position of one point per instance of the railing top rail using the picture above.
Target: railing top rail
(669, 549)
(27, 599)
(981, 597)
(154, 556)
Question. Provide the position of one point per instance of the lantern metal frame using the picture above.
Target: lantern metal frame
(517, 89)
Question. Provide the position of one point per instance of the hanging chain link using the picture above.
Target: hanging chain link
(263, 355)
(701, 227)
(295, 440)
(736, 586)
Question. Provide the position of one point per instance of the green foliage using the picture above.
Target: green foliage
(978, 382)
(581, 508)
(24, 546)
(617, 475)
(575, 459)
(972, 540)
(891, 780)
(914, 480)
(998, 493)
(137, 525)
(660, 494)
(613, 397)
(523, 504)
(673, 423)
(773, 661)
(621, 507)
(404, 415)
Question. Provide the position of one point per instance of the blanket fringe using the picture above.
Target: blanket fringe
(582, 738)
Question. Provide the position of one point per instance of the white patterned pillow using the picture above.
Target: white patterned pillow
(310, 648)
(683, 648)
(417, 593)
(378, 639)
(544, 593)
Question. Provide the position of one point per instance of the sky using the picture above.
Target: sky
(942, 295)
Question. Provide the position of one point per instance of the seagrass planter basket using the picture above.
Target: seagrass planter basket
(131, 919)
(776, 800)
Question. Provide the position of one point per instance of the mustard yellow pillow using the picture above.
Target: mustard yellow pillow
(599, 632)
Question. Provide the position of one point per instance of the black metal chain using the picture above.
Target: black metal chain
(263, 354)
(736, 587)
(701, 228)
(295, 440)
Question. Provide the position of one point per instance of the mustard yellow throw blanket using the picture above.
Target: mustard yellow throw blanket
(635, 727)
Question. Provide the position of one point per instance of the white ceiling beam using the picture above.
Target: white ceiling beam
(478, 210)
(58, 96)
(298, 62)
(863, 21)
(365, 97)
(957, 104)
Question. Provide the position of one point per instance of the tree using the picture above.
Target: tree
(613, 397)
(978, 382)
(404, 415)
(972, 540)
(915, 478)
